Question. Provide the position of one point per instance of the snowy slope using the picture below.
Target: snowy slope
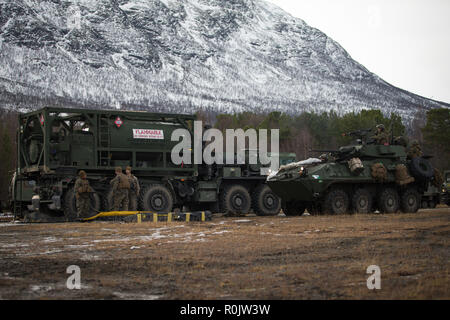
(179, 56)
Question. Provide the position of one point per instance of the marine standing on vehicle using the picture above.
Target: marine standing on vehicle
(134, 189)
(414, 150)
(82, 190)
(120, 187)
(381, 137)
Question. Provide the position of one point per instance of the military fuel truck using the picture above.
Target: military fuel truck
(361, 178)
(54, 144)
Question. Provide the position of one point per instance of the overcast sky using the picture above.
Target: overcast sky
(405, 42)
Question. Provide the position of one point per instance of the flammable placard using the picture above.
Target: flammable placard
(148, 134)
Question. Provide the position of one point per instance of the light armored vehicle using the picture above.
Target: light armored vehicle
(362, 177)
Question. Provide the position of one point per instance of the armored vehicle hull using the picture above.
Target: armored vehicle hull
(359, 178)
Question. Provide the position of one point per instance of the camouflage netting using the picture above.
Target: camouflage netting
(414, 151)
(402, 176)
(355, 165)
(379, 172)
(438, 179)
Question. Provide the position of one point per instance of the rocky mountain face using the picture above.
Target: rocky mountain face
(181, 56)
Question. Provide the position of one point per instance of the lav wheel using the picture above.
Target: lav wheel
(388, 201)
(293, 208)
(410, 200)
(265, 202)
(336, 202)
(362, 201)
(424, 204)
(156, 198)
(235, 199)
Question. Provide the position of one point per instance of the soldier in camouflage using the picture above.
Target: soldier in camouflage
(414, 150)
(134, 189)
(82, 194)
(120, 187)
(381, 137)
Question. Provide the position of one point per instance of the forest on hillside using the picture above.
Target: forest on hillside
(298, 134)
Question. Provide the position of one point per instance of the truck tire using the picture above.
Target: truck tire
(362, 201)
(421, 169)
(156, 198)
(265, 202)
(410, 201)
(388, 201)
(293, 208)
(70, 205)
(235, 199)
(424, 204)
(336, 202)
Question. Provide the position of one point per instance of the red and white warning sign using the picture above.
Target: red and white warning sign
(41, 119)
(148, 134)
(118, 122)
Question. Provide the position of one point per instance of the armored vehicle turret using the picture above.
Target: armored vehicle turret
(361, 178)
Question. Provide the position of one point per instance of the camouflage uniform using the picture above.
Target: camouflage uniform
(120, 188)
(381, 137)
(134, 192)
(83, 201)
(414, 150)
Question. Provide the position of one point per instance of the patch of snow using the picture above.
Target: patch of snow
(136, 296)
(221, 232)
(44, 288)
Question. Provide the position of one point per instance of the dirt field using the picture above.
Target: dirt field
(321, 257)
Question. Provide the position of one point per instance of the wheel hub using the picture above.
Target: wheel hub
(238, 201)
(157, 202)
(269, 201)
(338, 203)
(362, 202)
(390, 202)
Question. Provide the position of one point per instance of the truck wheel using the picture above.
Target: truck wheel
(336, 202)
(293, 208)
(235, 199)
(424, 204)
(70, 205)
(156, 198)
(265, 202)
(362, 201)
(388, 201)
(410, 200)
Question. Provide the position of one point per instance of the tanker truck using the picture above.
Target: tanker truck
(54, 144)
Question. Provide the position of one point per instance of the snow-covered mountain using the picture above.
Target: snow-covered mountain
(180, 56)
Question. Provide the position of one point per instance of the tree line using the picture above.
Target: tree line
(323, 131)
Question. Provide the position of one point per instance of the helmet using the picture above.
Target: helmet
(415, 143)
(128, 168)
(118, 169)
(82, 174)
(381, 127)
